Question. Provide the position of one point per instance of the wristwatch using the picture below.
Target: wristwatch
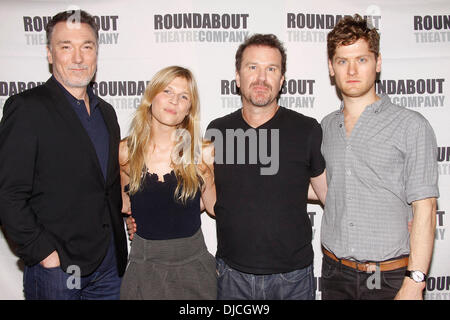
(417, 276)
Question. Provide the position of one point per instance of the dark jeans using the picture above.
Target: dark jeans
(343, 283)
(236, 285)
(54, 284)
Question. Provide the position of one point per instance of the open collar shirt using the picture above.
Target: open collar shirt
(388, 161)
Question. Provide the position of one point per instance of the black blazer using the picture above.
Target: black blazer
(53, 195)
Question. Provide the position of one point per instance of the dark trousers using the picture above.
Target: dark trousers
(235, 285)
(340, 282)
(54, 284)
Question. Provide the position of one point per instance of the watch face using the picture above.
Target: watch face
(417, 276)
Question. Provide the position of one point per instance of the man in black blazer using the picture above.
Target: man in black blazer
(60, 199)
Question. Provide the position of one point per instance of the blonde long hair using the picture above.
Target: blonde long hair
(189, 177)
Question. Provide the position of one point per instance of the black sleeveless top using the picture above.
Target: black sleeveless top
(158, 216)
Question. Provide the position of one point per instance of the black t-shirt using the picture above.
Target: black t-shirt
(261, 217)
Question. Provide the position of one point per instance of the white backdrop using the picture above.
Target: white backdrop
(137, 38)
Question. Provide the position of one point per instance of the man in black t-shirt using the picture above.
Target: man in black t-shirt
(265, 158)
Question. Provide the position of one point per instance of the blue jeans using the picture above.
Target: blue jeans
(236, 285)
(54, 284)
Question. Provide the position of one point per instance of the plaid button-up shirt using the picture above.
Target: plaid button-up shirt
(373, 176)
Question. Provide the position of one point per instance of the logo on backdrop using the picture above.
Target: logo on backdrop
(311, 216)
(414, 93)
(230, 94)
(34, 29)
(431, 29)
(196, 27)
(438, 288)
(440, 225)
(444, 160)
(122, 95)
(313, 27)
(9, 88)
(295, 94)
(317, 280)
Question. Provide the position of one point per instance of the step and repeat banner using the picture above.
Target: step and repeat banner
(138, 38)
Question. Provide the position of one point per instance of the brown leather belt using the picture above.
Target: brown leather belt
(370, 266)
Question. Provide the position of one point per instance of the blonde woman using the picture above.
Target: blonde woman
(166, 182)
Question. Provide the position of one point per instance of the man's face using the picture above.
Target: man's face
(355, 68)
(260, 78)
(73, 54)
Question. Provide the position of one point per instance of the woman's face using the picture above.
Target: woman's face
(172, 104)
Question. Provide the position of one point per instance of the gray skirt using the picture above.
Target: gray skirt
(181, 269)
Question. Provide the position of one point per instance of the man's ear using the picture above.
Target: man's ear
(238, 80)
(281, 83)
(49, 55)
(330, 68)
(379, 63)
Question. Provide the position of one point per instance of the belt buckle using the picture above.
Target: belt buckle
(366, 267)
(371, 267)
